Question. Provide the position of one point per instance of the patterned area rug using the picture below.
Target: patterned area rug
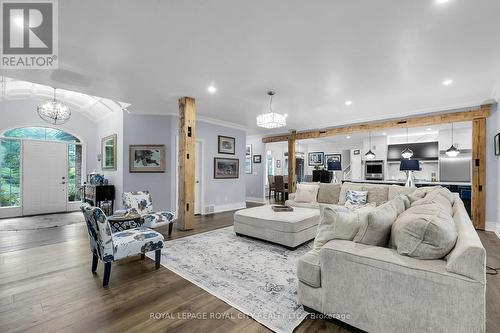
(41, 221)
(257, 278)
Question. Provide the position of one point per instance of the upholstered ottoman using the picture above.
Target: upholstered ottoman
(290, 229)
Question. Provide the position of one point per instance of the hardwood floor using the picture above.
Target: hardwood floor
(46, 286)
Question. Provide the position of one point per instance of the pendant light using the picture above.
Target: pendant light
(452, 151)
(54, 112)
(370, 155)
(271, 119)
(407, 152)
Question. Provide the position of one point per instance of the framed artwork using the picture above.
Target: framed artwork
(332, 157)
(257, 158)
(226, 145)
(356, 152)
(226, 168)
(248, 159)
(278, 164)
(108, 152)
(497, 144)
(146, 158)
(315, 158)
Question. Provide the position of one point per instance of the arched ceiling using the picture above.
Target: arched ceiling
(389, 57)
(93, 107)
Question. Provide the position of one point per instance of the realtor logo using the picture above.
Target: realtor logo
(29, 34)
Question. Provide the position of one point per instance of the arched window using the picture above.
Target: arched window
(10, 157)
(40, 133)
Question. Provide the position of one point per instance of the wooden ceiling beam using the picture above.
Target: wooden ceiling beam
(479, 112)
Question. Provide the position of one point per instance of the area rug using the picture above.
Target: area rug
(255, 277)
(40, 221)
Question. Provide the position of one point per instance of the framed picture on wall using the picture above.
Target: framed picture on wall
(315, 158)
(248, 159)
(497, 144)
(226, 168)
(356, 152)
(108, 152)
(226, 145)
(333, 157)
(146, 158)
(257, 159)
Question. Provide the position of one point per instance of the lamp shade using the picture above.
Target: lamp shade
(409, 165)
(334, 166)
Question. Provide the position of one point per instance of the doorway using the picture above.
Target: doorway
(44, 185)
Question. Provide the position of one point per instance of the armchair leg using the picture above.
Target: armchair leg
(107, 273)
(170, 227)
(95, 259)
(157, 258)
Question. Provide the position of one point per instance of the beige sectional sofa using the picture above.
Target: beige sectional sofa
(376, 289)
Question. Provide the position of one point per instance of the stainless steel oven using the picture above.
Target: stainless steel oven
(374, 170)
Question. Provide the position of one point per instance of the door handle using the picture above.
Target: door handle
(62, 183)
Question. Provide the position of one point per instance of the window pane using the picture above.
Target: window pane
(9, 172)
(40, 133)
(74, 171)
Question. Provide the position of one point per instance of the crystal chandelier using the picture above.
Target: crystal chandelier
(54, 112)
(271, 119)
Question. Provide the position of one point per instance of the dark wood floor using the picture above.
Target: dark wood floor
(46, 286)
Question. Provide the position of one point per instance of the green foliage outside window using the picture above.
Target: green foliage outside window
(10, 151)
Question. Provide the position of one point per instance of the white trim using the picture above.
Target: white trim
(491, 226)
(229, 207)
(497, 231)
(256, 200)
(14, 211)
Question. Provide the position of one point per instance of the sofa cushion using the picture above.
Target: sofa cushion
(309, 269)
(345, 187)
(329, 193)
(336, 222)
(439, 195)
(395, 190)
(293, 203)
(376, 229)
(425, 231)
(356, 198)
(421, 192)
(306, 193)
(376, 193)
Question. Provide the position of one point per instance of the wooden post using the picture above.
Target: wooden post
(478, 206)
(187, 119)
(291, 164)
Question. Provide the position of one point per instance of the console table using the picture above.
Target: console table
(97, 194)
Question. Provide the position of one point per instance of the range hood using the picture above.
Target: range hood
(422, 151)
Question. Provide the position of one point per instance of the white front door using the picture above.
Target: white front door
(198, 180)
(45, 175)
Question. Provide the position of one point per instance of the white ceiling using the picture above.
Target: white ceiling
(389, 57)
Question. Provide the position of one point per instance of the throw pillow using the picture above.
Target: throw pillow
(329, 193)
(424, 232)
(376, 193)
(356, 197)
(376, 229)
(337, 222)
(306, 193)
(441, 196)
(421, 192)
(395, 190)
(348, 186)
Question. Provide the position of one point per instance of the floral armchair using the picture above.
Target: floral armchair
(110, 247)
(142, 203)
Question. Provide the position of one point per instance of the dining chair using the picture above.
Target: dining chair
(280, 188)
(270, 181)
(108, 247)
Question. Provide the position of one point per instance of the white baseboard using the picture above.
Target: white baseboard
(491, 226)
(6, 212)
(229, 207)
(256, 200)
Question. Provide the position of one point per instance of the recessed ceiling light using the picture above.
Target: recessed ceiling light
(348, 103)
(429, 129)
(440, 2)
(447, 82)
(212, 89)
(384, 133)
(348, 137)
